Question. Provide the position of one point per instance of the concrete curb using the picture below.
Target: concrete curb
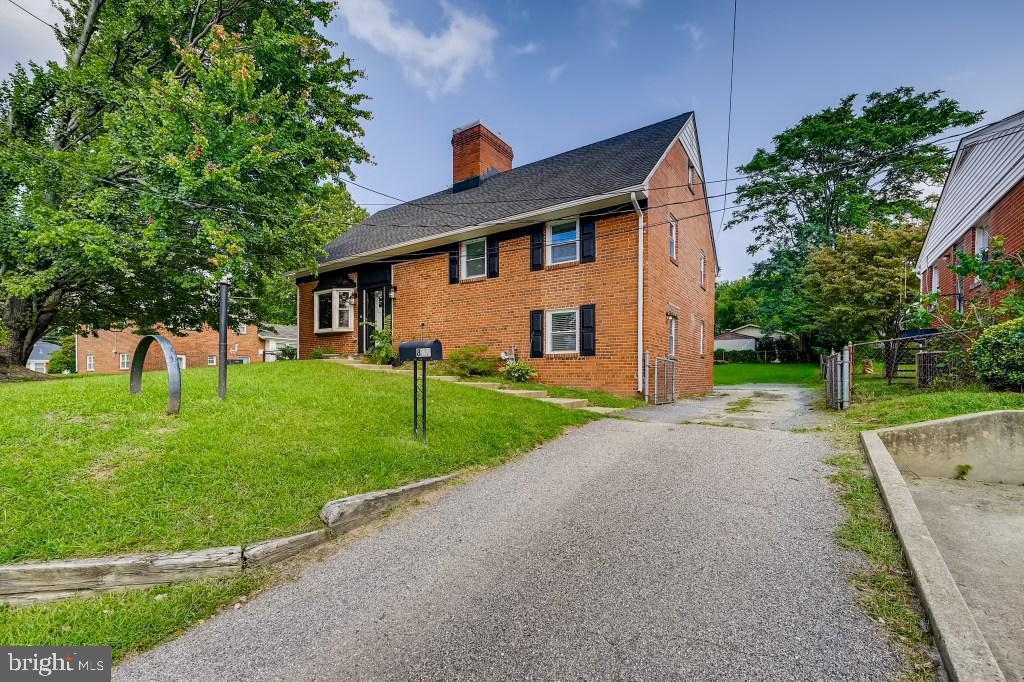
(964, 650)
(33, 582)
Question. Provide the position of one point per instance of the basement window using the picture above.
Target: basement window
(474, 258)
(563, 331)
(563, 241)
(333, 310)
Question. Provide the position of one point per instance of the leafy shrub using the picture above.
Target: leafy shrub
(519, 371)
(382, 351)
(287, 353)
(63, 359)
(472, 361)
(321, 353)
(998, 355)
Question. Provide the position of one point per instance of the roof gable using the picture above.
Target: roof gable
(988, 164)
(617, 163)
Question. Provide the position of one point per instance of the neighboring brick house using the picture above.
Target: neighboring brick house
(580, 263)
(982, 198)
(110, 351)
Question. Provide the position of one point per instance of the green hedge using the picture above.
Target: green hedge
(998, 356)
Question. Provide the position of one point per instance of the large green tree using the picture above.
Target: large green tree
(841, 170)
(178, 142)
(736, 304)
(836, 172)
(863, 287)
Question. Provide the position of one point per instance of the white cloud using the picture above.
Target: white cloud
(528, 48)
(436, 63)
(555, 72)
(696, 34)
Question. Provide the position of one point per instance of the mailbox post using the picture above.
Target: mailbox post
(419, 353)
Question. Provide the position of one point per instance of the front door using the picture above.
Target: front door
(373, 314)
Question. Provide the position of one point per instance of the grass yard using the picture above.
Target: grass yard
(876, 404)
(88, 470)
(804, 374)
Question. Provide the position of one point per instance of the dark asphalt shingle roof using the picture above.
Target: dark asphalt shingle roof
(599, 168)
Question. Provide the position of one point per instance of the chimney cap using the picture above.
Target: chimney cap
(478, 122)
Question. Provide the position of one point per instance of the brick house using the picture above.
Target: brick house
(584, 264)
(982, 198)
(109, 351)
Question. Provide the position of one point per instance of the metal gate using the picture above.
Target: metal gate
(838, 373)
(664, 380)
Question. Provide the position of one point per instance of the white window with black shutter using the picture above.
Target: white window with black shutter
(563, 331)
(333, 310)
(474, 258)
(563, 241)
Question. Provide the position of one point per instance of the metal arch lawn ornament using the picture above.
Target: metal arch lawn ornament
(173, 370)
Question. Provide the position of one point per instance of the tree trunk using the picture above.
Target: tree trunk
(26, 321)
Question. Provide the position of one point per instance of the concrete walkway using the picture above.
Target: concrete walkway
(624, 550)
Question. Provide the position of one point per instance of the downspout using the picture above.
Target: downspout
(639, 293)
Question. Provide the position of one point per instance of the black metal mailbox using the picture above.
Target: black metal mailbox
(419, 353)
(409, 351)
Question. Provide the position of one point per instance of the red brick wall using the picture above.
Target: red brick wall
(496, 311)
(107, 346)
(475, 150)
(674, 286)
(346, 343)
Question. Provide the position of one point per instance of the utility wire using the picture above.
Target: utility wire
(34, 16)
(728, 128)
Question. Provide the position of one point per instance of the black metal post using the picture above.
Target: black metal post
(222, 343)
(424, 402)
(415, 398)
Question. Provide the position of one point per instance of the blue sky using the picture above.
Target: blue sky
(550, 76)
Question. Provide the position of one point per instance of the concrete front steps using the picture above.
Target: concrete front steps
(534, 394)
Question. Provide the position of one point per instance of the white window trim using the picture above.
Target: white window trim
(935, 278)
(691, 173)
(463, 261)
(211, 357)
(673, 329)
(124, 361)
(981, 229)
(243, 329)
(334, 311)
(703, 334)
(548, 244)
(703, 269)
(673, 237)
(90, 363)
(549, 329)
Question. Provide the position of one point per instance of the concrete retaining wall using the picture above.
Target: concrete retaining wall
(992, 443)
(32, 582)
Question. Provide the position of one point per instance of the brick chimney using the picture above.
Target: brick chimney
(476, 153)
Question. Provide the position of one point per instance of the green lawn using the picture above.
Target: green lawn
(804, 374)
(877, 404)
(87, 470)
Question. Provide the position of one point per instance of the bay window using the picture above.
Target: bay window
(333, 310)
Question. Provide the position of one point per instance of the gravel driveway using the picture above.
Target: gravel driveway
(624, 550)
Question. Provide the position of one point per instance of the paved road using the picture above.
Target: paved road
(624, 550)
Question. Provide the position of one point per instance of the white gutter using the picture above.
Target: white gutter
(639, 293)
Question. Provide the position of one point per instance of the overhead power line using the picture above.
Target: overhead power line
(728, 126)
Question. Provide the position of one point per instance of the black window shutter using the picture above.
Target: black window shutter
(537, 247)
(588, 327)
(588, 240)
(536, 333)
(492, 256)
(453, 266)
